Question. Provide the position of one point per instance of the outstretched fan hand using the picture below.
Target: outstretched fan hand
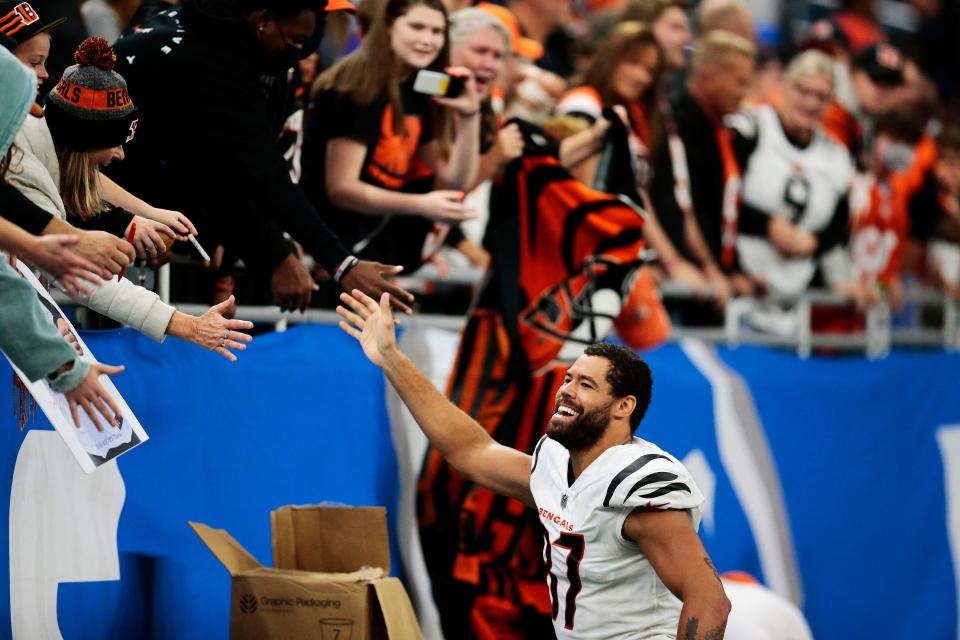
(218, 331)
(370, 323)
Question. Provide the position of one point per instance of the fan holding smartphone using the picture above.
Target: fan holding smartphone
(372, 116)
(438, 84)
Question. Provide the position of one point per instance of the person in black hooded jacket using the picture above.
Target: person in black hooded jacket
(209, 80)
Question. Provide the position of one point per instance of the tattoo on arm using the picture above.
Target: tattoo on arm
(693, 624)
(712, 568)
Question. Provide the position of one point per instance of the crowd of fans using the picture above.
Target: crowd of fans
(291, 135)
(822, 156)
(63, 216)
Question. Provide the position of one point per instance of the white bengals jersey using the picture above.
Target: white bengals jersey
(805, 185)
(601, 585)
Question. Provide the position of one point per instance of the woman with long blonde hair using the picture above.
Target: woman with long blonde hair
(90, 116)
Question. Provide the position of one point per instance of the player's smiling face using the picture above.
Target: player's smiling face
(583, 404)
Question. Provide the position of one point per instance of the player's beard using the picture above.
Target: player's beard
(585, 431)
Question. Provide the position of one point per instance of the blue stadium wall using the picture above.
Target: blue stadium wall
(858, 448)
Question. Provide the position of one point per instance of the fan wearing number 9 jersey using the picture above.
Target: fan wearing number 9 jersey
(601, 585)
(805, 184)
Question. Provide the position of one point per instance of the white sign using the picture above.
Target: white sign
(89, 446)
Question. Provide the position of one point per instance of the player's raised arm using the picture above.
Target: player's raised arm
(670, 543)
(463, 442)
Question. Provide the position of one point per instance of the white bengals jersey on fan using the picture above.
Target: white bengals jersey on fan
(601, 585)
(805, 185)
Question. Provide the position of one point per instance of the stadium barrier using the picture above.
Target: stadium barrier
(881, 329)
(836, 481)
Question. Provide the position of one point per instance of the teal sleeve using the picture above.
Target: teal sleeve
(68, 380)
(29, 339)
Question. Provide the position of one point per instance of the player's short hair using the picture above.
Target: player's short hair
(717, 45)
(628, 375)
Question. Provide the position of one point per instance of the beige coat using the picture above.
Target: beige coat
(35, 172)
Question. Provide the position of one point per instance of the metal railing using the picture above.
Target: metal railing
(875, 340)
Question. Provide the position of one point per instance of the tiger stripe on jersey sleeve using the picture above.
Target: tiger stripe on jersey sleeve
(629, 470)
(536, 454)
(658, 477)
(653, 481)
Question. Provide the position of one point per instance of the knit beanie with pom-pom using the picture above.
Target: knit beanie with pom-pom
(90, 107)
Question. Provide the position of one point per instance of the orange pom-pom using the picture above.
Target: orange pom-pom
(95, 52)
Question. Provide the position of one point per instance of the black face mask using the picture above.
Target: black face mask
(292, 54)
(313, 42)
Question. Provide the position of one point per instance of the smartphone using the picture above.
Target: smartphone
(437, 83)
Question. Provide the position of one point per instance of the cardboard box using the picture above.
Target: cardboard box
(330, 579)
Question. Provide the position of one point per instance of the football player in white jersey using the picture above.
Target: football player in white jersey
(620, 515)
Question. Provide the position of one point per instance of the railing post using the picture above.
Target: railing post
(951, 327)
(804, 328)
(163, 283)
(878, 330)
(731, 323)
(732, 315)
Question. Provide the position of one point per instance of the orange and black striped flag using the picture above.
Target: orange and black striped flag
(564, 259)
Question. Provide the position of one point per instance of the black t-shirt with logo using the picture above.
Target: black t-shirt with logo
(389, 159)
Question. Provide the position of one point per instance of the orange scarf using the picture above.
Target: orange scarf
(731, 196)
(731, 183)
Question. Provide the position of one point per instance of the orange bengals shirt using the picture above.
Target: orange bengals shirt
(879, 226)
(880, 217)
(396, 151)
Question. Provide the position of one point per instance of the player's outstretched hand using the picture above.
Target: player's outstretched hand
(370, 323)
